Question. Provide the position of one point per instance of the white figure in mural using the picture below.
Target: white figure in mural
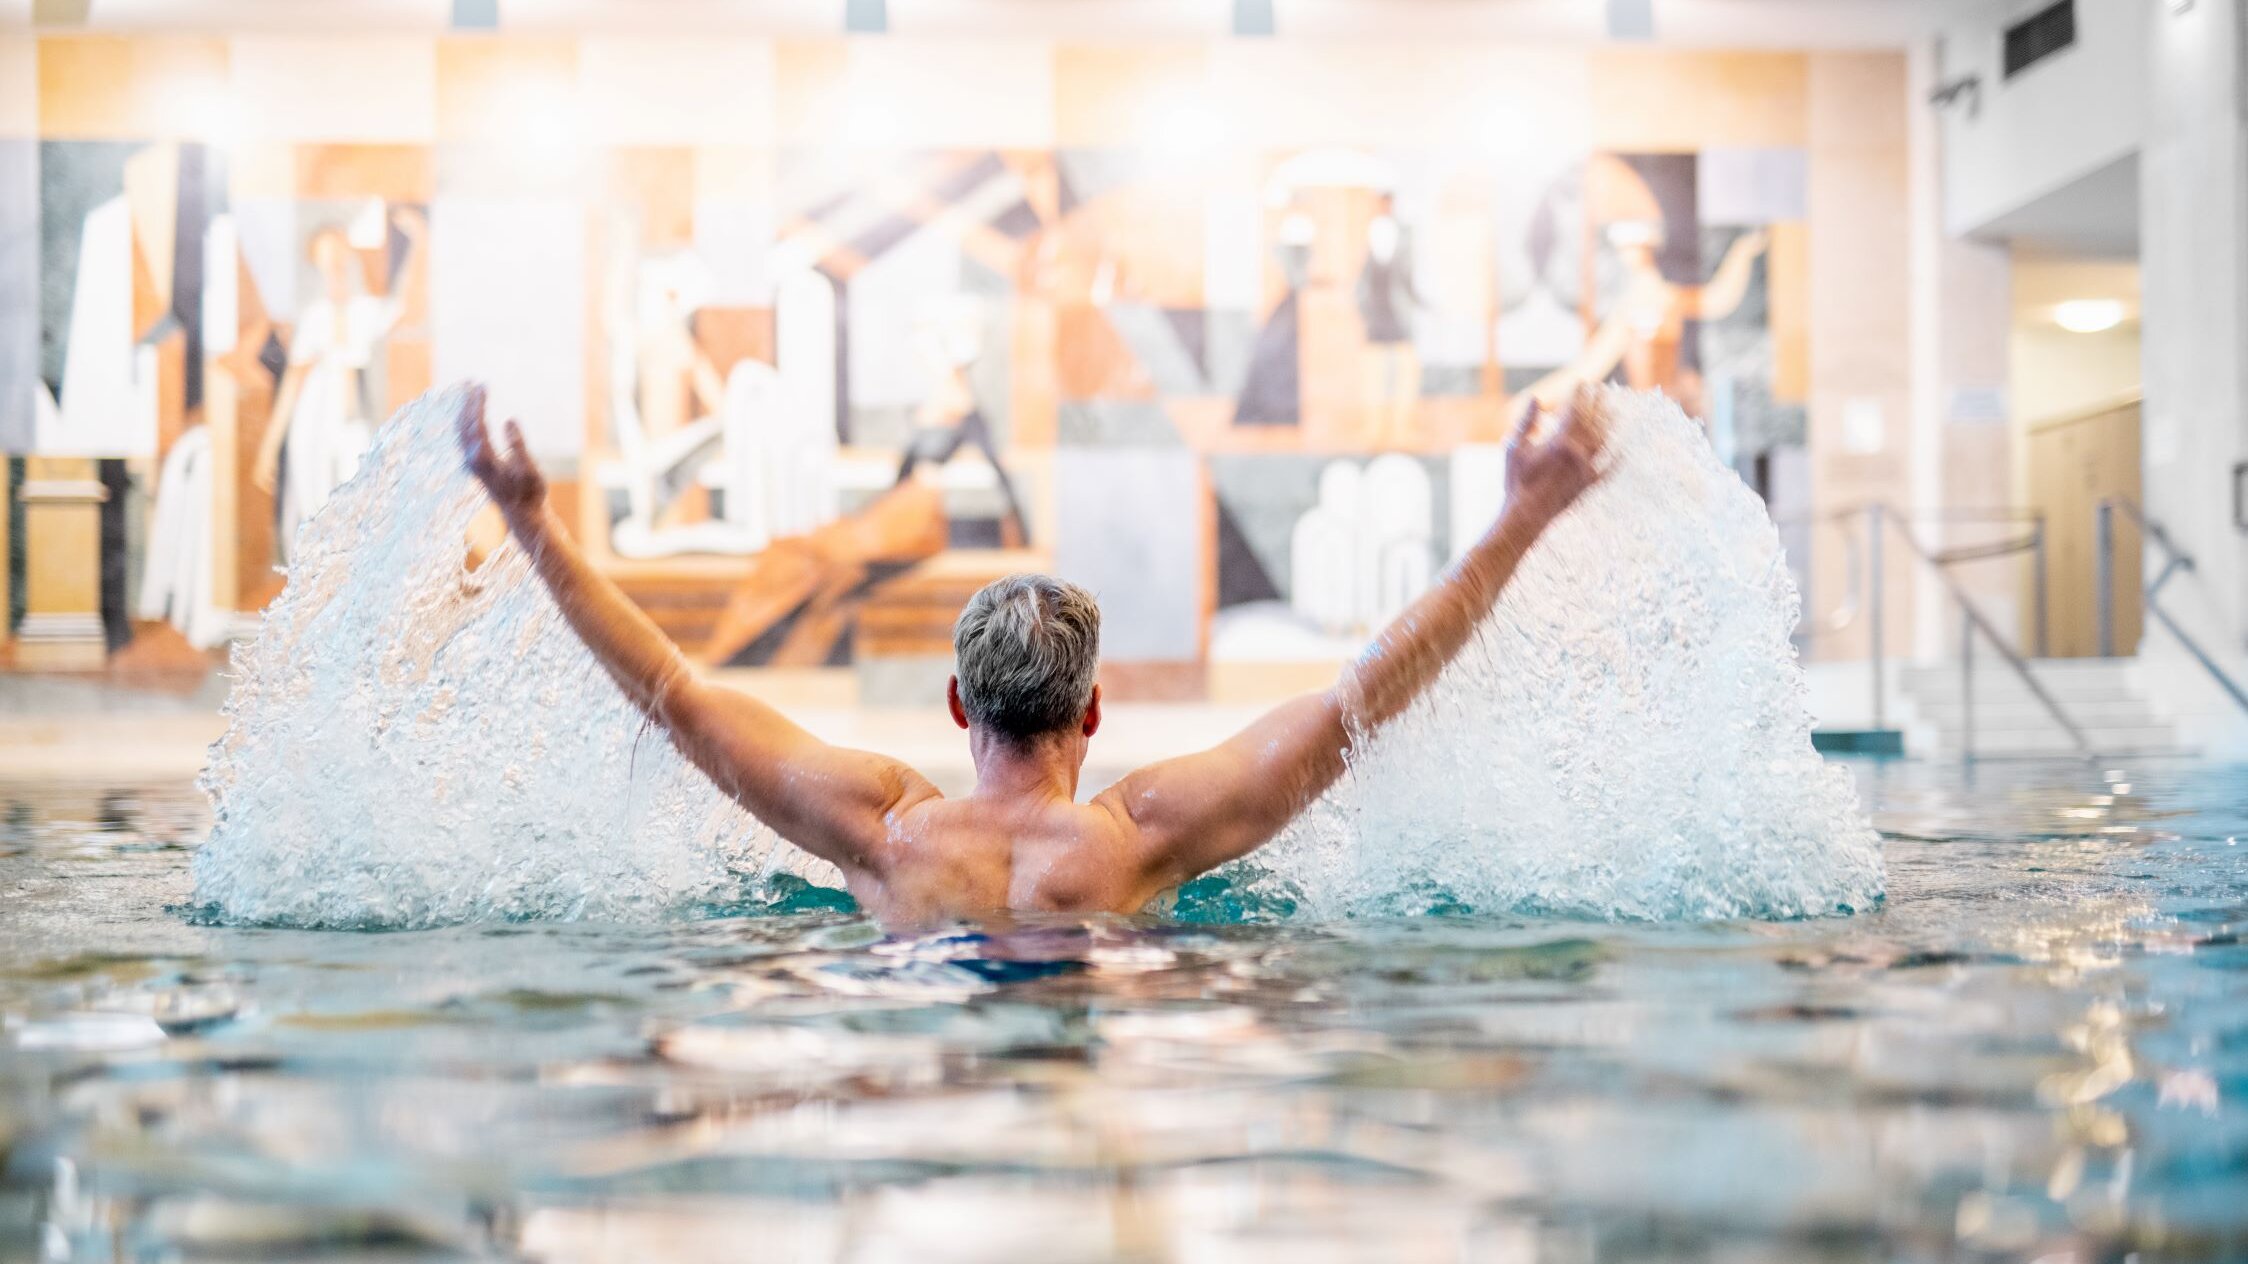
(319, 427)
(1323, 568)
(666, 406)
(108, 404)
(1396, 508)
(779, 467)
(1386, 302)
(176, 582)
(1363, 552)
(770, 452)
(804, 341)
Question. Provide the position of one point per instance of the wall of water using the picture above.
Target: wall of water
(1628, 735)
(411, 744)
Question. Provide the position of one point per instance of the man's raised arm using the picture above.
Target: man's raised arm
(1197, 812)
(825, 799)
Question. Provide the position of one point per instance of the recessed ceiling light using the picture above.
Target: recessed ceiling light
(2088, 315)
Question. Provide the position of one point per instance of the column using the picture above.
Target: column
(2193, 244)
(62, 628)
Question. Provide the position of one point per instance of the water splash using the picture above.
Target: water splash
(1627, 736)
(410, 743)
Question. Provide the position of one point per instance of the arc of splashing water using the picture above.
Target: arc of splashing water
(1627, 737)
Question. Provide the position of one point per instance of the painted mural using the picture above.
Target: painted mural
(804, 398)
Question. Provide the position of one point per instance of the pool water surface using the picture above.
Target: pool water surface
(2035, 1048)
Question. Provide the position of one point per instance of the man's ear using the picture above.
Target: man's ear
(952, 701)
(1093, 713)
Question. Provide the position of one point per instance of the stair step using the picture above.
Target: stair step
(2025, 711)
(2100, 695)
(2109, 732)
(2000, 684)
(2062, 677)
(2054, 740)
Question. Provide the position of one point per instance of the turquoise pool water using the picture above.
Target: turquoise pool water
(2036, 1047)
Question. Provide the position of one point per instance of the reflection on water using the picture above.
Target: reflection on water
(2038, 1048)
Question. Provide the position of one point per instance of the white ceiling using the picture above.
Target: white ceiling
(1736, 23)
(2095, 217)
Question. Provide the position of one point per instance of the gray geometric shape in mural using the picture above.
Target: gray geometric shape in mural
(1115, 423)
(1754, 311)
(19, 291)
(1265, 493)
(1228, 336)
(75, 176)
(1088, 173)
(1153, 336)
(1753, 186)
(1128, 526)
(1451, 380)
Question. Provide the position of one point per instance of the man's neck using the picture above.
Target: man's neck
(1039, 768)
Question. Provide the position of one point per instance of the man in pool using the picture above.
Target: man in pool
(1027, 648)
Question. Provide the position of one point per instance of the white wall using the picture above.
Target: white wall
(2194, 282)
(2057, 374)
(2062, 119)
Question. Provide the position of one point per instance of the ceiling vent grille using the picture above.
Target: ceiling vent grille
(2039, 36)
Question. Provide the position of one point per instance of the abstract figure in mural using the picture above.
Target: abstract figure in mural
(666, 410)
(1643, 338)
(320, 424)
(1272, 395)
(1386, 299)
(950, 341)
(795, 603)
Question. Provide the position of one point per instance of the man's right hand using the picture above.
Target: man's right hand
(510, 476)
(1545, 474)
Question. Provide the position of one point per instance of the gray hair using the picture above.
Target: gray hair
(1027, 647)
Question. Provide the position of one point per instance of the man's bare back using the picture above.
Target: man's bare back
(1020, 839)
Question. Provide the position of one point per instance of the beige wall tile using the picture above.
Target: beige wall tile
(506, 91)
(677, 91)
(925, 93)
(95, 87)
(1669, 101)
(1858, 100)
(396, 173)
(19, 85)
(1113, 95)
(333, 89)
(1474, 99)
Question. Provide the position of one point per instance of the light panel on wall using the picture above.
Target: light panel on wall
(1252, 17)
(866, 17)
(2088, 315)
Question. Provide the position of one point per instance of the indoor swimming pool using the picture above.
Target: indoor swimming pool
(2035, 1047)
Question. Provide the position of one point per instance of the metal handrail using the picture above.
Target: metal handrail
(1864, 571)
(2175, 559)
(1973, 620)
(1854, 568)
